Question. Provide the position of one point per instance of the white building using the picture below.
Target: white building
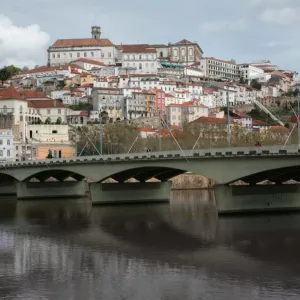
(7, 153)
(139, 57)
(250, 72)
(144, 81)
(88, 64)
(135, 106)
(64, 51)
(109, 102)
(48, 133)
(217, 68)
(178, 114)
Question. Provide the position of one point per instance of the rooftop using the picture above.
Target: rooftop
(81, 43)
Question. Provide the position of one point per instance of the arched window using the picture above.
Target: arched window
(175, 52)
(190, 51)
(183, 51)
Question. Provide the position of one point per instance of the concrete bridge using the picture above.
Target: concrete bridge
(224, 166)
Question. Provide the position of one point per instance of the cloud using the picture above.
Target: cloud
(280, 16)
(22, 46)
(221, 26)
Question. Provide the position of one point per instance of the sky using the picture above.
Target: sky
(244, 30)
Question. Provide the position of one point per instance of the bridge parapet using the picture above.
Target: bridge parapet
(165, 155)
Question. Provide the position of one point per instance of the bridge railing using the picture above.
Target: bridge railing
(184, 154)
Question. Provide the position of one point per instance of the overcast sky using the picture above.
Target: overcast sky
(244, 30)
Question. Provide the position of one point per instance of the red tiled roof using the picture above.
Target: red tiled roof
(144, 129)
(278, 128)
(33, 94)
(184, 41)
(259, 123)
(210, 120)
(137, 49)
(46, 103)
(10, 93)
(82, 42)
(169, 96)
(46, 69)
(89, 61)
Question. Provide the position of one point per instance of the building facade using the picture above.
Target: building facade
(109, 102)
(217, 68)
(64, 51)
(7, 153)
(185, 52)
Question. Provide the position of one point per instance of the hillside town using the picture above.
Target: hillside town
(160, 88)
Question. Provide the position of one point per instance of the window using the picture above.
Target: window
(85, 55)
(21, 109)
(1, 152)
(8, 153)
(109, 54)
(92, 54)
(175, 52)
(140, 56)
(191, 52)
(140, 66)
(48, 111)
(54, 131)
(1, 142)
(78, 54)
(59, 111)
(102, 54)
(70, 54)
(53, 55)
(8, 142)
(58, 55)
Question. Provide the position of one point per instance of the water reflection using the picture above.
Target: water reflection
(67, 250)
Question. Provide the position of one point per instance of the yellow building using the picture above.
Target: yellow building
(41, 151)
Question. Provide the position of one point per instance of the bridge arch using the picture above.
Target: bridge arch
(143, 174)
(7, 177)
(278, 175)
(58, 174)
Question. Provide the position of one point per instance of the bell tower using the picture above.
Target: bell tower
(96, 32)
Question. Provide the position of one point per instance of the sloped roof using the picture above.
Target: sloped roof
(82, 42)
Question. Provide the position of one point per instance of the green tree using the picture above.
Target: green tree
(13, 70)
(4, 74)
(7, 72)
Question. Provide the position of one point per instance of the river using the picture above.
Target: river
(67, 249)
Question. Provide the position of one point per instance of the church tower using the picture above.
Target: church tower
(96, 32)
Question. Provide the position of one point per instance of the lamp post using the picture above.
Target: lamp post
(228, 120)
(100, 138)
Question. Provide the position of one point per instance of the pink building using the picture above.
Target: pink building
(160, 101)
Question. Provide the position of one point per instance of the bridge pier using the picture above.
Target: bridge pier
(257, 198)
(48, 190)
(8, 188)
(106, 193)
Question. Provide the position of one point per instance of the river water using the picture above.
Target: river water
(182, 250)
